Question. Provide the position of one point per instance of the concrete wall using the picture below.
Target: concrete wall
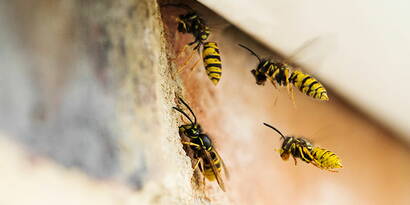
(85, 116)
(85, 106)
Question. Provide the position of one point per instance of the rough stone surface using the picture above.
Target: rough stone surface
(86, 90)
(87, 84)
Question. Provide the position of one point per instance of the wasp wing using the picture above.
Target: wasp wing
(214, 170)
(223, 164)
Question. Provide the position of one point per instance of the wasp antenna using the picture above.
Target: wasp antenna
(189, 108)
(178, 6)
(283, 137)
(251, 51)
(179, 110)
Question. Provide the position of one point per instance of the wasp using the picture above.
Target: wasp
(301, 148)
(279, 73)
(207, 158)
(193, 24)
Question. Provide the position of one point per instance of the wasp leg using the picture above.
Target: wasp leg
(186, 62)
(311, 156)
(193, 42)
(198, 43)
(273, 83)
(192, 144)
(291, 94)
(196, 164)
(301, 150)
(313, 161)
(294, 158)
(203, 176)
(179, 53)
(275, 100)
(192, 68)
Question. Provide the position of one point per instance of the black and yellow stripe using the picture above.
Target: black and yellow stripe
(278, 73)
(298, 148)
(301, 148)
(308, 85)
(326, 159)
(208, 171)
(212, 61)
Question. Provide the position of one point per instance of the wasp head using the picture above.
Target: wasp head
(259, 77)
(284, 154)
(182, 26)
(194, 130)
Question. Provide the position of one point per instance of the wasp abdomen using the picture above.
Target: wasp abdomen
(326, 159)
(212, 61)
(308, 85)
(208, 172)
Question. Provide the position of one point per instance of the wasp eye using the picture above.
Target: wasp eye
(182, 27)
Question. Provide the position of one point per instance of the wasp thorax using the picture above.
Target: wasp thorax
(206, 141)
(204, 36)
(305, 143)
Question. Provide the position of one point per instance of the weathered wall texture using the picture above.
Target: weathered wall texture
(86, 91)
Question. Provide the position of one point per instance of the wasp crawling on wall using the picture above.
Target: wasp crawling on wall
(207, 158)
(193, 24)
(279, 73)
(301, 148)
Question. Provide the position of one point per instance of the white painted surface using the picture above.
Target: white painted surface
(361, 48)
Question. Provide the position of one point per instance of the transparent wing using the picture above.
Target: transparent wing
(223, 164)
(215, 170)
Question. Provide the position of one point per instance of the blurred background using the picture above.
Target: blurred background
(86, 90)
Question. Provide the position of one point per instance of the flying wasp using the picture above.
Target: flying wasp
(207, 158)
(193, 24)
(279, 73)
(301, 148)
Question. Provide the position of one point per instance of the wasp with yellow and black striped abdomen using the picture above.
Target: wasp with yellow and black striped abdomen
(301, 148)
(207, 158)
(280, 73)
(193, 24)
